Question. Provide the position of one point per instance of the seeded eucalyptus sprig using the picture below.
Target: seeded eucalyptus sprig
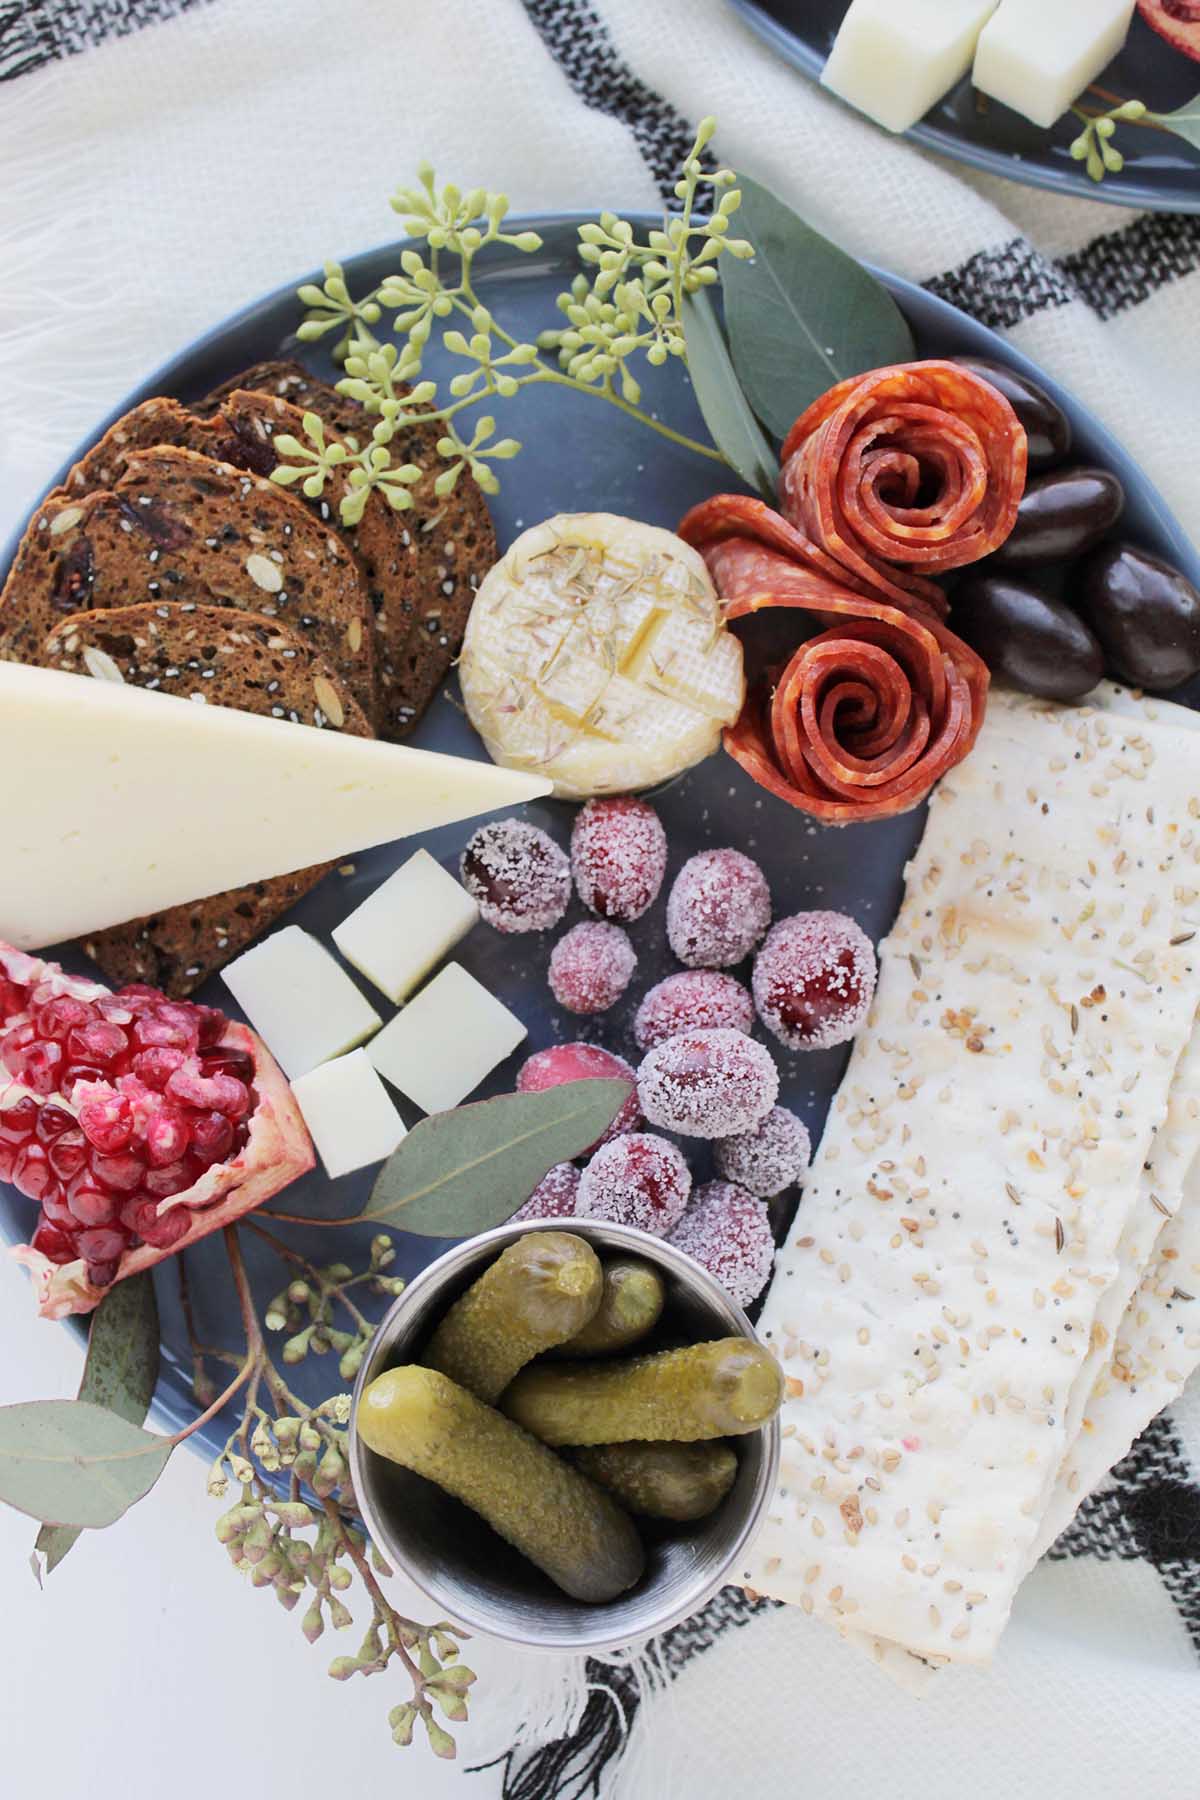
(1094, 147)
(627, 302)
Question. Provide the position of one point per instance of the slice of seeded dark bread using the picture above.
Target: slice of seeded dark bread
(452, 541)
(177, 526)
(227, 658)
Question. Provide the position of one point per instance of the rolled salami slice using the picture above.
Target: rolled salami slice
(903, 472)
(870, 710)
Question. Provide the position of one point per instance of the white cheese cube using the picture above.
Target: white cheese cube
(894, 59)
(404, 929)
(299, 1000)
(438, 1050)
(1037, 56)
(349, 1113)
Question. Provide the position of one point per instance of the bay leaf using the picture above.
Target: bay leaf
(802, 315)
(70, 1462)
(464, 1171)
(735, 430)
(120, 1372)
(1184, 121)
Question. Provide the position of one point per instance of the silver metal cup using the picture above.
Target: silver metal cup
(469, 1572)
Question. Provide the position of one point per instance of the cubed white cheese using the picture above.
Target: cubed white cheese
(404, 929)
(1037, 56)
(894, 59)
(300, 1000)
(438, 1050)
(349, 1113)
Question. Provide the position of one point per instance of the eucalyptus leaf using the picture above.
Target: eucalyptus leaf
(1184, 121)
(735, 430)
(802, 315)
(70, 1462)
(464, 1171)
(120, 1372)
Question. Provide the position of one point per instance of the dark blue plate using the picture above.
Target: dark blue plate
(579, 455)
(1161, 173)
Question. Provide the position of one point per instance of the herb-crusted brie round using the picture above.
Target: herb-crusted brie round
(596, 654)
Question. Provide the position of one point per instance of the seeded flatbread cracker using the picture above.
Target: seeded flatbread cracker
(965, 1213)
(226, 658)
(177, 526)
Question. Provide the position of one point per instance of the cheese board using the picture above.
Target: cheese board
(728, 863)
(1161, 172)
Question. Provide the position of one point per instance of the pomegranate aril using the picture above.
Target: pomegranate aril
(119, 1173)
(57, 1208)
(102, 1243)
(164, 1230)
(68, 1153)
(52, 1121)
(91, 1205)
(53, 1242)
(177, 1176)
(210, 1023)
(227, 1062)
(97, 1042)
(62, 1015)
(106, 1120)
(32, 1174)
(212, 1093)
(37, 1065)
(165, 1138)
(19, 1122)
(212, 1138)
(155, 1067)
(102, 1274)
(175, 1034)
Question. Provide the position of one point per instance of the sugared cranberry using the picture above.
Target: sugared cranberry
(518, 877)
(591, 966)
(771, 1157)
(619, 857)
(639, 1180)
(718, 909)
(554, 1195)
(814, 980)
(727, 1231)
(582, 1062)
(708, 1083)
(695, 999)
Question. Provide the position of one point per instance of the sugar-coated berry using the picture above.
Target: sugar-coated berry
(518, 877)
(619, 857)
(771, 1157)
(718, 909)
(639, 1180)
(695, 999)
(591, 966)
(554, 1195)
(814, 980)
(708, 1083)
(728, 1232)
(582, 1062)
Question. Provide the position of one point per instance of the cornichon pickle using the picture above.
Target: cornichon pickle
(629, 1307)
(545, 1508)
(664, 1481)
(536, 1294)
(718, 1389)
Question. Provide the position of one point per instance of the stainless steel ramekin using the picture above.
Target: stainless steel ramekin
(459, 1562)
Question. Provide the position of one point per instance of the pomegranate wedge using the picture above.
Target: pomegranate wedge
(138, 1124)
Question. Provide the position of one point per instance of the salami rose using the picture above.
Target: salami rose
(874, 705)
(903, 472)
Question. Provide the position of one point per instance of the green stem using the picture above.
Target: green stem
(632, 412)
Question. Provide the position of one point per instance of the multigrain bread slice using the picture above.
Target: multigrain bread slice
(452, 540)
(177, 526)
(226, 658)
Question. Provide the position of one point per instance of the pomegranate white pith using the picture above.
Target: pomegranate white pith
(137, 1124)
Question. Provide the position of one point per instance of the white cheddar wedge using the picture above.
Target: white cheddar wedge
(299, 1000)
(1037, 56)
(349, 1113)
(140, 801)
(403, 930)
(894, 59)
(439, 1049)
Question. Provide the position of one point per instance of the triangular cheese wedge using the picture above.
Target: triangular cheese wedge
(125, 802)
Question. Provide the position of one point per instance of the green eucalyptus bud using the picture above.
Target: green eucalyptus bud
(440, 1742)
(312, 1625)
(402, 1719)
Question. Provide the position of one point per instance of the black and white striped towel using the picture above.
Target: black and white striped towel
(154, 180)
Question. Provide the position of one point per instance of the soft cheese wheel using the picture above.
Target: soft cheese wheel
(596, 655)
